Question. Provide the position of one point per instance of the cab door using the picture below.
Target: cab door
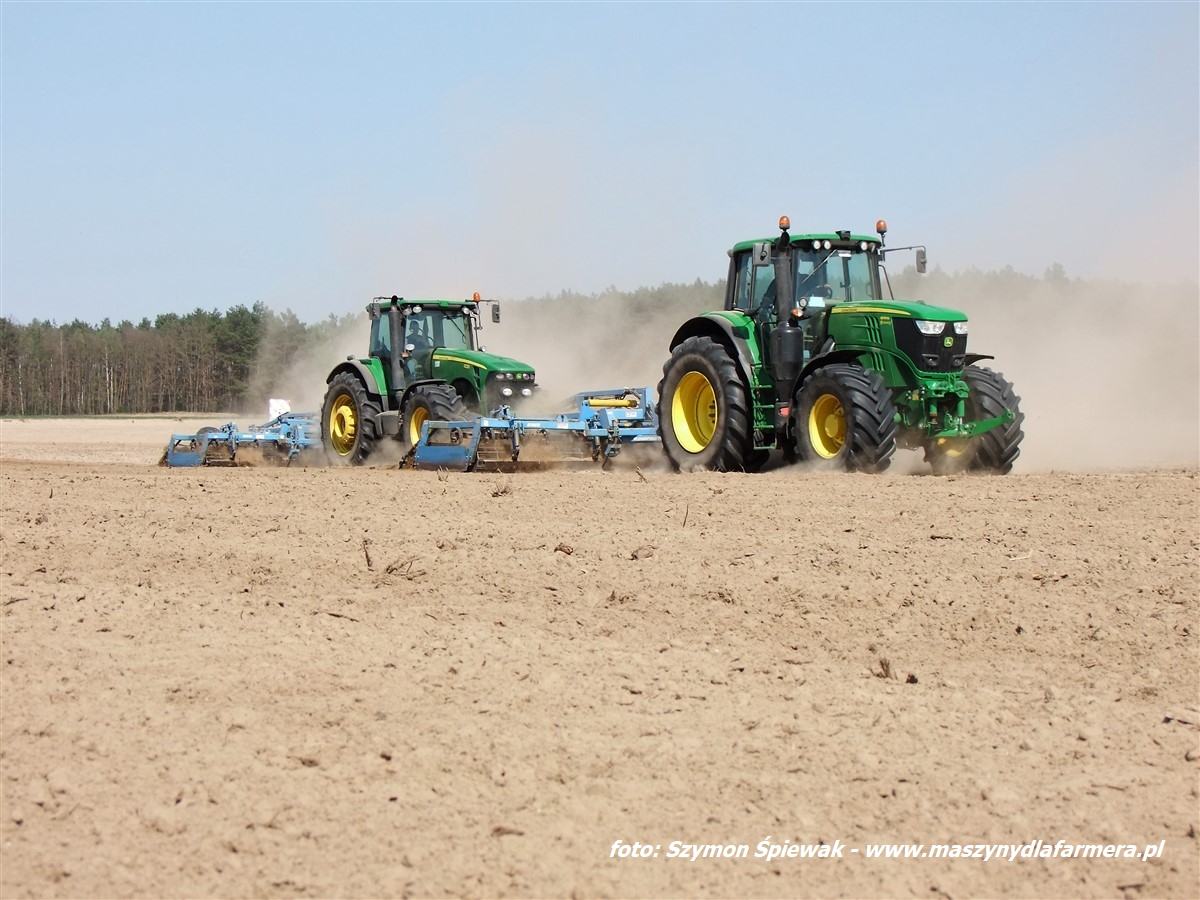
(420, 336)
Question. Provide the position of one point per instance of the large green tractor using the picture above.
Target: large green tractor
(809, 358)
(425, 363)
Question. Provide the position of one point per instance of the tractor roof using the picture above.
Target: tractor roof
(804, 238)
(440, 304)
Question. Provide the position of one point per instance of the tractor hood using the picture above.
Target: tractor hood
(903, 309)
(479, 359)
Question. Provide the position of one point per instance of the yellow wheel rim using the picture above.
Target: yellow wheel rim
(343, 425)
(419, 417)
(694, 412)
(827, 426)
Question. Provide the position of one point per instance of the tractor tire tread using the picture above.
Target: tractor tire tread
(870, 412)
(734, 442)
(991, 394)
(369, 414)
(443, 403)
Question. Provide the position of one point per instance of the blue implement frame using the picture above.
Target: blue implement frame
(287, 434)
(600, 425)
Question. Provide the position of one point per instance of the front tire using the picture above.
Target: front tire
(430, 403)
(703, 408)
(993, 451)
(845, 420)
(349, 421)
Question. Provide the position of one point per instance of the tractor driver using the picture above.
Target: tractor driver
(416, 336)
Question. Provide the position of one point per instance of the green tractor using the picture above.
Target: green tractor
(809, 358)
(425, 363)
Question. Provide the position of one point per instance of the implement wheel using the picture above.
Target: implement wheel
(845, 419)
(430, 403)
(993, 451)
(349, 421)
(703, 408)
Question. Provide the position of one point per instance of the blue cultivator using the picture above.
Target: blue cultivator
(281, 440)
(602, 424)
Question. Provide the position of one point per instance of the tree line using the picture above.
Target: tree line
(202, 361)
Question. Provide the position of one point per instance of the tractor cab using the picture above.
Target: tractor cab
(415, 341)
(825, 269)
(404, 335)
(815, 271)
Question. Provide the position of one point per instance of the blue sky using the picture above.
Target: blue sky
(159, 157)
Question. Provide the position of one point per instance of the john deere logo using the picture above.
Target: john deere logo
(948, 342)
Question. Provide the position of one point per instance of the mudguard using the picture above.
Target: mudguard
(723, 330)
(833, 356)
(365, 375)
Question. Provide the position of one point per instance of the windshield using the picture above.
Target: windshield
(456, 331)
(432, 327)
(836, 275)
(822, 277)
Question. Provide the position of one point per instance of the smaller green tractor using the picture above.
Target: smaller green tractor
(810, 358)
(425, 362)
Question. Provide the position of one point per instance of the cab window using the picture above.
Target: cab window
(764, 298)
(381, 337)
(741, 286)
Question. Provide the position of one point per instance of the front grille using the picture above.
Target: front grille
(929, 352)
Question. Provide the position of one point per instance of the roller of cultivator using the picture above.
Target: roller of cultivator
(603, 422)
(279, 441)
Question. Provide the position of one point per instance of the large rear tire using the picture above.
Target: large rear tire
(845, 420)
(993, 451)
(703, 408)
(430, 402)
(349, 421)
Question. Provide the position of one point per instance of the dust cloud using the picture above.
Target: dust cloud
(1108, 373)
(301, 381)
(578, 344)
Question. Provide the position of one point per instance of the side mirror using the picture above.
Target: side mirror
(495, 312)
(921, 265)
(761, 254)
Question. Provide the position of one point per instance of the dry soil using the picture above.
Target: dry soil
(309, 682)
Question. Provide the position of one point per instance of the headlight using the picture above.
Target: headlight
(506, 392)
(960, 327)
(927, 327)
(526, 392)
